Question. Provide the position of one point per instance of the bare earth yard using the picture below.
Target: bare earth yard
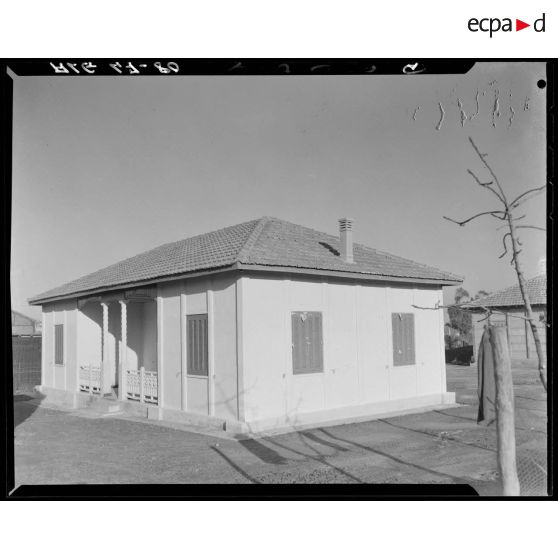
(60, 447)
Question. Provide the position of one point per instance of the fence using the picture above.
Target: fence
(142, 385)
(90, 379)
(26, 353)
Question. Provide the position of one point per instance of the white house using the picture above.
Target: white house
(256, 327)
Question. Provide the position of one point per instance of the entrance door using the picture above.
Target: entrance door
(197, 388)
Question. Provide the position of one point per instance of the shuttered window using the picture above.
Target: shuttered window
(403, 327)
(59, 344)
(196, 348)
(307, 342)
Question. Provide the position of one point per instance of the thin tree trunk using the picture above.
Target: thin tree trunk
(504, 411)
(496, 188)
(527, 301)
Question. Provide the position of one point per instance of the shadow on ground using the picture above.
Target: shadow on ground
(23, 412)
(266, 454)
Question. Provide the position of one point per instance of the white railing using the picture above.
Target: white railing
(142, 385)
(90, 379)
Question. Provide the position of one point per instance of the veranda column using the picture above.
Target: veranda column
(123, 351)
(106, 380)
(160, 360)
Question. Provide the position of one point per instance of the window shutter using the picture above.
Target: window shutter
(317, 355)
(196, 349)
(59, 344)
(396, 338)
(307, 342)
(410, 319)
(403, 332)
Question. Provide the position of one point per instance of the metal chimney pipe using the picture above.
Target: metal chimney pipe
(346, 238)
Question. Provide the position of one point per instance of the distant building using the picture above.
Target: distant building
(24, 325)
(511, 311)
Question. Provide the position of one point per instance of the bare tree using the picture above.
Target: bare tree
(505, 212)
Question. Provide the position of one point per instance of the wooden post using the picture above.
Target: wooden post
(526, 337)
(90, 380)
(122, 388)
(142, 370)
(504, 410)
(508, 333)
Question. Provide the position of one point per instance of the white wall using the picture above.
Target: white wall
(135, 336)
(90, 319)
(357, 337)
(47, 347)
(197, 387)
(224, 364)
(358, 356)
(60, 376)
(216, 394)
(171, 332)
(149, 339)
(141, 335)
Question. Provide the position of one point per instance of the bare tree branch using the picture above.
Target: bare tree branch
(484, 184)
(507, 226)
(534, 191)
(493, 213)
(485, 309)
(482, 157)
(505, 245)
(530, 227)
(487, 185)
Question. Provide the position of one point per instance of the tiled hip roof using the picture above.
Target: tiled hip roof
(265, 242)
(536, 289)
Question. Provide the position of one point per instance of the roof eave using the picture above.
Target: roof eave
(122, 286)
(347, 274)
(245, 267)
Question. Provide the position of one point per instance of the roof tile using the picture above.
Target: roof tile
(536, 288)
(265, 242)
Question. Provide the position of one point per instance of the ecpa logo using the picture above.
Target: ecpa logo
(494, 24)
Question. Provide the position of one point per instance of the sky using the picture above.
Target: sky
(106, 167)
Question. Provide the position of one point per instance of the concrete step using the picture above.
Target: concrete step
(104, 405)
(96, 414)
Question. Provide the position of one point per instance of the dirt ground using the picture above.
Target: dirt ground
(447, 446)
